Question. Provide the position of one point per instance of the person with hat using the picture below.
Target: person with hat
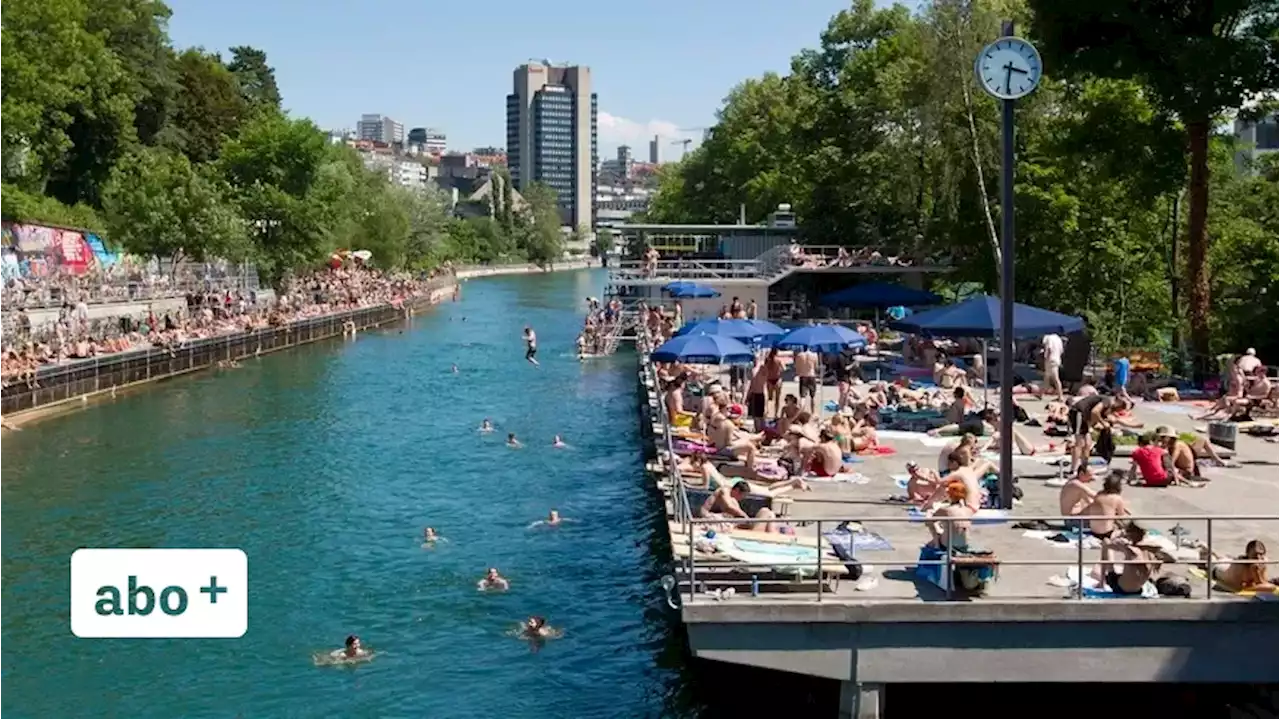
(1184, 469)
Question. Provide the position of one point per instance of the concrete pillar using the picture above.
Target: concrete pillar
(861, 701)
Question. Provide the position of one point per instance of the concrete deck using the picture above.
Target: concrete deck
(890, 627)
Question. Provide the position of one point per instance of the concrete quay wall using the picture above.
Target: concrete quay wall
(61, 385)
(466, 273)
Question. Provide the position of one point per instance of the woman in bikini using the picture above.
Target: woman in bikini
(773, 380)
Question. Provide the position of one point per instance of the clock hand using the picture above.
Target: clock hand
(1008, 77)
(1018, 70)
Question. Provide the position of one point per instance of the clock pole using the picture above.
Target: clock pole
(1007, 333)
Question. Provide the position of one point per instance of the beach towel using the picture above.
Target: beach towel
(900, 434)
(1093, 589)
(878, 450)
(853, 542)
(843, 477)
(939, 442)
(684, 447)
(984, 516)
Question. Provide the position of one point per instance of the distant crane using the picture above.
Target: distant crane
(684, 144)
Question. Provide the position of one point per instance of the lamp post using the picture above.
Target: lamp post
(1007, 69)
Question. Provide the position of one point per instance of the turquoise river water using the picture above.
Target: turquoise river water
(324, 464)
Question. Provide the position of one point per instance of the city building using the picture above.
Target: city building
(1256, 138)
(551, 136)
(653, 150)
(428, 141)
(378, 128)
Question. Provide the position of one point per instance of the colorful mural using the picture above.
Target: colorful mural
(37, 250)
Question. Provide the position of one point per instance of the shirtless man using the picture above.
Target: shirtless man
(773, 367)
(1092, 412)
(1134, 576)
(675, 402)
(493, 582)
(826, 460)
(729, 441)
(757, 403)
(1185, 469)
(790, 410)
(1076, 495)
(531, 345)
(969, 476)
(806, 362)
(725, 503)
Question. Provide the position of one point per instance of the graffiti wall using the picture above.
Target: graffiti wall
(37, 250)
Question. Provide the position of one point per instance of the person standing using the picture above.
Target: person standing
(806, 363)
(1051, 345)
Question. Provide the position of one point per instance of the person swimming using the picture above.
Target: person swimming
(455, 369)
(493, 582)
(558, 443)
(429, 537)
(351, 652)
(553, 520)
(536, 627)
(486, 425)
(512, 441)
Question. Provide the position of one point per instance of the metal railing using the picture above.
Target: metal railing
(684, 269)
(681, 509)
(948, 563)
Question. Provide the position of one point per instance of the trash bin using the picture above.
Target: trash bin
(1223, 434)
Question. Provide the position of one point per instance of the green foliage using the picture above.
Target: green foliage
(158, 203)
(879, 136)
(209, 108)
(257, 79)
(539, 234)
(22, 206)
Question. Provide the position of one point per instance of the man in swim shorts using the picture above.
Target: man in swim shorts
(725, 503)
(530, 345)
(806, 362)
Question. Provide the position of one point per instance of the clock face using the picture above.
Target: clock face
(1008, 68)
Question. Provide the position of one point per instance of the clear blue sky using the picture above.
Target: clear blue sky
(657, 65)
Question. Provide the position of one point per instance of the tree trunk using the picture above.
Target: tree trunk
(1198, 244)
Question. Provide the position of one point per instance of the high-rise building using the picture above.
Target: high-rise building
(654, 144)
(377, 128)
(551, 136)
(429, 140)
(1254, 138)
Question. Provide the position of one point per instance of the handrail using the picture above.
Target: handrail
(948, 562)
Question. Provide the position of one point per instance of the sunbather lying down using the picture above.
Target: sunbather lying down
(724, 504)
(702, 470)
(1235, 575)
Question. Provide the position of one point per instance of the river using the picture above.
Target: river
(324, 464)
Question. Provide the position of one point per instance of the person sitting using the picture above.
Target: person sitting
(1106, 507)
(731, 442)
(1076, 495)
(1151, 463)
(963, 492)
(1141, 563)
(725, 503)
(1184, 470)
(1243, 573)
(922, 483)
(826, 459)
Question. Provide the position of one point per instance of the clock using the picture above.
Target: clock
(1008, 68)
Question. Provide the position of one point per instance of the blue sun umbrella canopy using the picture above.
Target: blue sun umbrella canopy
(703, 349)
(879, 295)
(742, 330)
(820, 338)
(980, 317)
(689, 290)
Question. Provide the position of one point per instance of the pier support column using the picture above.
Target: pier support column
(861, 701)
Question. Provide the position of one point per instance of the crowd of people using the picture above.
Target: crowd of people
(74, 336)
(600, 328)
(756, 440)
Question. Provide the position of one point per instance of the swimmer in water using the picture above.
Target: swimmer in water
(493, 582)
(553, 520)
(536, 627)
(486, 425)
(352, 652)
(558, 443)
(429, 537)
(455, 369)
(512, 441)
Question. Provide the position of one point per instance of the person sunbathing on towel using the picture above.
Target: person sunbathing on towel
(1126, 547)
(713, 477)
(724, 503)
(731, 442)
(1235, 575)
(1076, 495)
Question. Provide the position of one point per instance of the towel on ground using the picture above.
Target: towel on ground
(984, 516)
(852, 542)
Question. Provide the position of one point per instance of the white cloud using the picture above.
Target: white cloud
(615, 130)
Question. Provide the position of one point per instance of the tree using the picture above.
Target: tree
(158, 204)
(210, 109)
(1197, 59)
(543, 242)
(135, 32)
(428, 210)
(273, 167)
(257, 79)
